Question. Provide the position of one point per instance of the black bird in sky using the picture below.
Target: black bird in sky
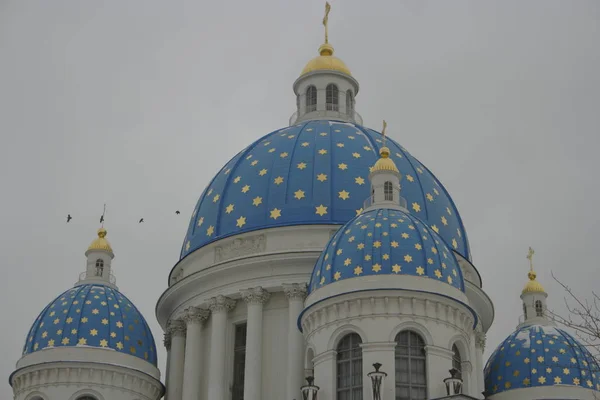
(177, 212)
(102, 219)
(69, 218)
(141, 220)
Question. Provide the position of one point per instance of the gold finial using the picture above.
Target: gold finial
(532, 285)
(326, 21)
(384, 163)
(100, 243)
(383, 132)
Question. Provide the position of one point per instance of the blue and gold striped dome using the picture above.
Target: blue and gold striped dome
(537, 355)
(386, 242)
(95, 316)
(313, 173)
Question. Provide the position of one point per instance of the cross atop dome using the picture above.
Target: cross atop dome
(325, 88)
(534, 298)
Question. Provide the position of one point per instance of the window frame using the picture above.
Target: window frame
(388, 191)
(354, 362)
(349, 102)
(539, 308)
(456, 359)
(311, 99)
(332, 97)
(99, 267)
(421, 356)
(239, 361)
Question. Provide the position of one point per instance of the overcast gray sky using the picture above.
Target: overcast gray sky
(138, 103)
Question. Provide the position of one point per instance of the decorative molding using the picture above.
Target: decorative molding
(295, 291)
(220, 303)
(439, 351)
(167, 340)
(195, 315)
(97, 378)
(255, 295)
(480, 340)
(240, 247)
(378, 346)
(176, 327)
(325, 356)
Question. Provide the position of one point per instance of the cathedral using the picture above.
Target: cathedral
(322, 262)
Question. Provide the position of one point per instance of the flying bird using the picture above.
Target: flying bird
(141, 220)
(69, 218)
(102, 219)
(177, 212)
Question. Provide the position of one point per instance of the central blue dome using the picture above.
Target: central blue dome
(314, 173)
(92, 315)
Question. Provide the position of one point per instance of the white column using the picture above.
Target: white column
(219, 307)
(255, 298)
(176, 329)
(439, 363)
(194, 319)
(295, 355)
(167, 343)
(478, 373)
(325, 374)
(383, 353)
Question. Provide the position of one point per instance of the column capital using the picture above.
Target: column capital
(220, 303)
(480, 340)
(167, 340)
(176, 327)
(295, 291)
(195, 315)
(256, 295)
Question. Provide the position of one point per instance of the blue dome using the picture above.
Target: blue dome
(95, 316)
(538, 355)
(313, 173)
(386, 242)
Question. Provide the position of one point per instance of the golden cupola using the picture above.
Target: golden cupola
(532, 286)
(326, 61)
(100, 243)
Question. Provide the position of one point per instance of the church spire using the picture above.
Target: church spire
(534, 298)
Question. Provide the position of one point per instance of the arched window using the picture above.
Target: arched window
(349, 368)
(99, 267)
(456, 359)
(539, 308)
(411, 379)
(524, 310)
(332, 98)
(311, 99)
(349, 102)
(388, 190)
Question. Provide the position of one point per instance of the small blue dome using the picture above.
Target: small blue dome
(538, 355)
(95, 316)
(313, 173)
(386, 242)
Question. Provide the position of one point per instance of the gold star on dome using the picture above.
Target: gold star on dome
(229, 209)
(69, 320)
(555, 359)
(44, 335)
(394, 244)
(576, 381)
(430, 261)
(51, 343)
(418, 246)
(358, 270)
(84, 320)
(209, 192)
(434, 250)
(339, 251)
(420, 270)
(411, 227)
(344, 195)
(444, 221)
(351, 137)
(322, 280)
(95, 311)
(429, 196)
(359, 180)
(408, 258)
(322, 133)
(283, 155)
(200, 221)
(113, 335)
(342, 166)
(337, 275)
(438, 273)
(56, 321)
(257, 201)
(299, 194)
(321, 210)
(103, 343)
(322, 152)
(305, 144)
(378, 224)
(278, 180)
(249, 157)
(245, 189)
(104, 321)
(557, 380)
(377, 244)
(59, 332)
(356, 155)
(359, 211)
(396, 268)
(454, 243)
(210, 230)
(321, 177)
(93, 332)
(291, 136)
(328, 267)
(237, 179)
(526, 360)
(540, 359)
(368, 257)
(301, 165)
(120, 346)
(340, 145)
(351, 239)
(266, 144)
(262, 172)
(376, 268)
(347, 261)
(240, 222)
(367, 148)
(410, 178)
(216, 198)
(450, 280)
(360, 246)
(566, 371)
(435, 228)
(394, 225)
(272, 150)
(416, 207)
(386, 256)
(82, 341)
(227, 171)
(404, 235)
(65, 341)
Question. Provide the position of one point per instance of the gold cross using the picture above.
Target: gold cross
(530, 258)
(326, 20)
(383, 131)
